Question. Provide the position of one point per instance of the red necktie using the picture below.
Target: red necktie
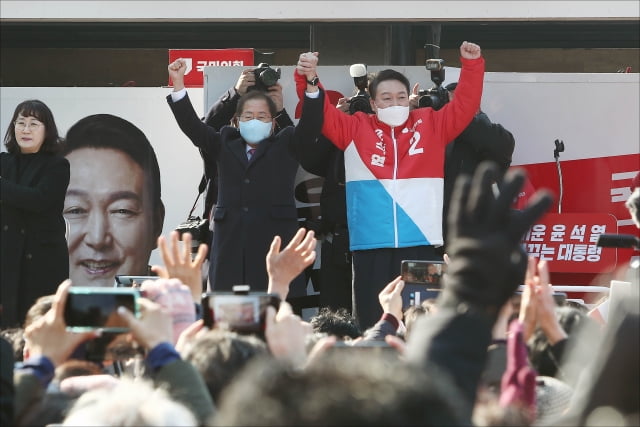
(250, 153)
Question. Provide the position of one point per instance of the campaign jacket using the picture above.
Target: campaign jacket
(394, 175)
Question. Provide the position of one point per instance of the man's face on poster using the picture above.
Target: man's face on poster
(110, 215)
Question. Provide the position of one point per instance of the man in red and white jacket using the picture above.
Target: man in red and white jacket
(394, 168)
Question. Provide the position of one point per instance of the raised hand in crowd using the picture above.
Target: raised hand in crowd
(189, 335)
(546, 305)
(177, 70)
(283, 266)
(391, 298)
(176, 298)
(487, 261)
(286, 335)
(178, 263)
(528, 307)
(155, 325)
(48, 335)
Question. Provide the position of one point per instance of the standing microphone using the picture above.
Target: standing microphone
(618, 241)
(556, 154)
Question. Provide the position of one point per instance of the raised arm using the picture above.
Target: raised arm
(455, 116)
(200, 134)
(337, 126)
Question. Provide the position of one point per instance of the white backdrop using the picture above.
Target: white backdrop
(595, 114)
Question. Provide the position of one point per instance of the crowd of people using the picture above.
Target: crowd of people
(470, 357)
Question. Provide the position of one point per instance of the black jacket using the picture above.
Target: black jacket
(220, 114)
(480, 141)
(34, 257)
(255, 198)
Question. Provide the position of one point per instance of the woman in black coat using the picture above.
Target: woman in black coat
(33, 183)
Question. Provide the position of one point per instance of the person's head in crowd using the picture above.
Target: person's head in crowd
(76, 368)
(414, 312)
(255, 116)
(347, 387)
(220, 356)
(15, 337)
(577, 305)
(129, 403)
(113, 203)
(335, 322)
(49, 410)
(580, 328)
(488, 412)
(389, 92)
(32, 129)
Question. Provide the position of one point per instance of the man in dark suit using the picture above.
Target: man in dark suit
(256, 173)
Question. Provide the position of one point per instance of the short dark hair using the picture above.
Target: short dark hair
(220, 355)
(343, 388)
(339, 323)
(384, 75)
(39, 110)
(112, 132)
(259, 95)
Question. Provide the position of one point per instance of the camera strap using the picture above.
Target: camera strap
(201, 187)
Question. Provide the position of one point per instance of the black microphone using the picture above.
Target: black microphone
(618, 241)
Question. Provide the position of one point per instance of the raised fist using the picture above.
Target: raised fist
(470, 50)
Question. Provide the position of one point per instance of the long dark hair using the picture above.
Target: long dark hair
(39, 110)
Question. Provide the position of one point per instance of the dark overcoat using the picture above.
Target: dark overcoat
(34, 257)
(256, 198)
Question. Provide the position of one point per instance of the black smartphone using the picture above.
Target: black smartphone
(132, 281)
(422, 281)
(90, 308)
(244, 313)
(428, 273)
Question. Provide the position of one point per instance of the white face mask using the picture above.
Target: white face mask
(393, 116)
(255, 131)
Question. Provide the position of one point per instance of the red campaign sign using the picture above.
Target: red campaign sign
(198, 59)
(568, 242)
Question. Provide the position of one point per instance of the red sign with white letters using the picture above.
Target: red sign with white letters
(568, 242)
(198, 59)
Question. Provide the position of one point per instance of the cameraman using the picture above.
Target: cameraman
(221, 113)
(481, 140)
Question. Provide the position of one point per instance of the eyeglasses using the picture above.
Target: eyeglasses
(33, 126)
(248, 116)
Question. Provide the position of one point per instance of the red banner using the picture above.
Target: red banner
(198, 59)
(568, 242)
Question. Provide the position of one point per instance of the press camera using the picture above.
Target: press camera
(437, 96)
(265, 77)
(361, 100)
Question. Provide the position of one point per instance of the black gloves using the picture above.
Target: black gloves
(487, 259)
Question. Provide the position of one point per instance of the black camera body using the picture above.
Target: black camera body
(437, 96)
(199, 230)
(360, 102)
(265, 77)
